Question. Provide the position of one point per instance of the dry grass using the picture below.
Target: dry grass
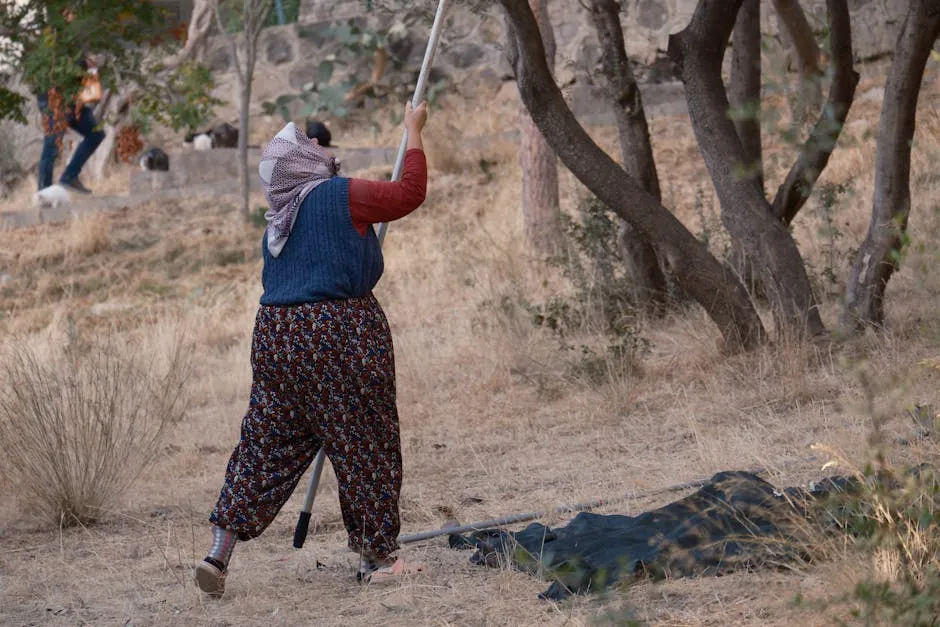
(492, 421)
(81, 423)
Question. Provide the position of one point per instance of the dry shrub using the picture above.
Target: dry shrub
(893, 516)
(81, 423)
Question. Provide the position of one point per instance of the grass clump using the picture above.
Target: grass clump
(81, 423)
(892, 516)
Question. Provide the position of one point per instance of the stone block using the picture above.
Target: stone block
(195, 167)
(278, 49)
(220, 59)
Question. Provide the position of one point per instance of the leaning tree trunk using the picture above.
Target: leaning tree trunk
(704, 278)
(877, 258)
(541, 213)
(697, 52)
(814, 155)
(635, 149)
(200, 24)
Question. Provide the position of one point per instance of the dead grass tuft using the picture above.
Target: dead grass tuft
(82, 422)
(89, 234)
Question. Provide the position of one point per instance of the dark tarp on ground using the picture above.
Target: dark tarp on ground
(735, 521)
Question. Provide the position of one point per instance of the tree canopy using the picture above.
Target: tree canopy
(44, 43)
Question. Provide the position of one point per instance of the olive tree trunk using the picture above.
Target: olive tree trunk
(803, 47)
(814, 155)
(635, 149)
(697, 52)
(744, 91)
(878, 256)
(744, 96)
(711, 283)
(541, 213)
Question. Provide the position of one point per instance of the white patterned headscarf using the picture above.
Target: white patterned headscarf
(291, 167)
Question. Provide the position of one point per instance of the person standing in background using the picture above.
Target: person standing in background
(77, 116)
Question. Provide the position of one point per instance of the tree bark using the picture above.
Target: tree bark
(244, 114)
(703, 277)
(814, 156)
(800, 34)
(744, 90)
(744, 96)
(803, 45)
(200, 23)
(878, 256)
(697, 52)
(541, 212)
(253, 15)
(635, 149)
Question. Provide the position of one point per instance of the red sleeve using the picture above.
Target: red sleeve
(372, 202)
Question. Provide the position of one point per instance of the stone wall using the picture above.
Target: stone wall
(471, 54)
(471, 48)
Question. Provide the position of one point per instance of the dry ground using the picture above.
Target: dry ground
(493, 420)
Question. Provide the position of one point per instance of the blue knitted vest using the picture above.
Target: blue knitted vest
(324, 257)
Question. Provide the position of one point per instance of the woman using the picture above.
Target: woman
(323, 370)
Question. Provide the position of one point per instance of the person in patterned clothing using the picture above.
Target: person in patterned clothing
(323, 371)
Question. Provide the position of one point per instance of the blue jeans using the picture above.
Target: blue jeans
(83, 121)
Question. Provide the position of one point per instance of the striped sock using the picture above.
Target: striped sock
(223, 543)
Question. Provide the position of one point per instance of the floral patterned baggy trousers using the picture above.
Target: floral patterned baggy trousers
(323, 375)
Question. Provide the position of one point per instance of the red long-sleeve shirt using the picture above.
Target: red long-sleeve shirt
(372, 202)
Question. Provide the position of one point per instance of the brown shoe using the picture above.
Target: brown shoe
(210, 579)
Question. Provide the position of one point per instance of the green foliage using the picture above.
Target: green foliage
(352, 70)
(232, 12)
(602, 300)
(184, 101)
(125, 37)
(46, 47)
(829, 197)
(905, 603)
(897, 519)
(316, 97)
(11, 105)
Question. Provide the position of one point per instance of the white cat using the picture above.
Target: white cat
(202, 142)
(52, 196)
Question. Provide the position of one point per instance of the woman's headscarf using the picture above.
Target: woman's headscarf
(291, 167)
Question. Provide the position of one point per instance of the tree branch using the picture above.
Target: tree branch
(801, 35)
(200, 24)
(233, 43)
(796, 188)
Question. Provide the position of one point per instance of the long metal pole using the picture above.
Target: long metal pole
(420, 90)
(303, 522)
(577, 507)
(527, 516)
